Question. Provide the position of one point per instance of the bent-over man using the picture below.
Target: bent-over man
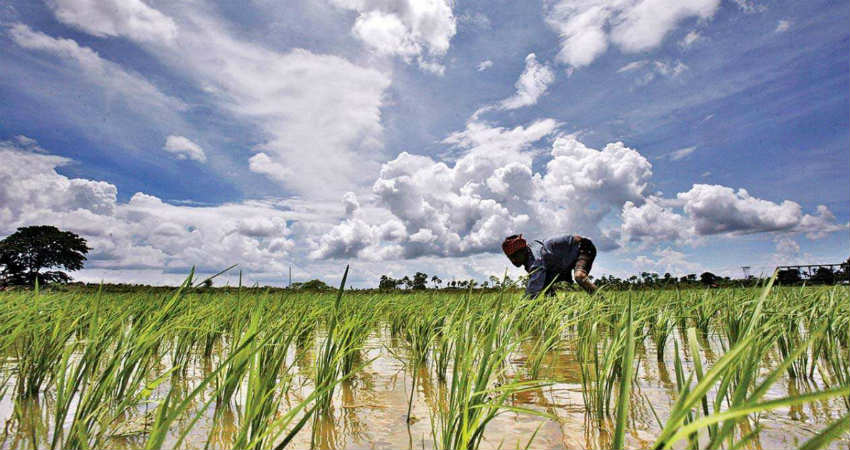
(558, 260)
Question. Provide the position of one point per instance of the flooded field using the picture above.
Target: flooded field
(210, 369)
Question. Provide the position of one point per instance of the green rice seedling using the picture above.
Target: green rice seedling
(740, 363)
(329, 359)
(268, 382)
(39, 340)
(625, 382)
(473, 399)
(661, 328)
(602, 358)
(707, 306)
(420, 332)
(443, 347)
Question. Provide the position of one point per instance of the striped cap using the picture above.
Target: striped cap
(514, 244)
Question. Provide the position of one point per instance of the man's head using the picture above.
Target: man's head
(516, 249)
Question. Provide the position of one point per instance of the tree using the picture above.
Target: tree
(788, 276)
(707, 278)
(419, 281)
(387, 283)
(437, 281)
(843, 272)
(824, 275)
(312, 285)
(29, 250)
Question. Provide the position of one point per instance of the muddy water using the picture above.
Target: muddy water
(370, 410)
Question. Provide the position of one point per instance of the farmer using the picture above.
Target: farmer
(557, 258)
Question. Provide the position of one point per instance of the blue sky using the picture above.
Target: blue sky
(409, 136)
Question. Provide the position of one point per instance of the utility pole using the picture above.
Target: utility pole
(290, 276)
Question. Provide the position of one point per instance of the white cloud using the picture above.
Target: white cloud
(386, 34)
(670, 69)
(681, 153)
(131, 18)
(720, 210)
(783, 26)
(634, 65)
(296, 100)
(302, 102)
(787, 248)
(351, 203)
(667, 261)
(484, 65)
(184, 148)
(751, 6)
(653, 222)
(144, 233)
(649, 70)
(411, 29)
(588, 27)
(532, 83)
(490, 192)
(263, 164)
(818, 226)
(86, 62)
(690, 38)
(479, 20)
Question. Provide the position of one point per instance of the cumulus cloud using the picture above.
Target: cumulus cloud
(87, 63)
(145, 232)
(653, 222)
(130, 18)
(418, 30)
(588, 27)
(184, 148)
(717, 210)
(787, 248)
(667, 260)
(532, 83)
(263, 164)
(451, 210)
(491, 191)
(351, 203)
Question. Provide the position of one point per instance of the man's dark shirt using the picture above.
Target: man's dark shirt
(556, 258)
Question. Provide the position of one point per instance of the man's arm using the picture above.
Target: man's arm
(536, 282)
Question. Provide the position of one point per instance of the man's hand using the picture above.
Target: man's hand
(586, 284)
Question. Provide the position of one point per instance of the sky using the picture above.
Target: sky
(400, 136)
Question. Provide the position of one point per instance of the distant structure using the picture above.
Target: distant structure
(839, 271)
(746, 270)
